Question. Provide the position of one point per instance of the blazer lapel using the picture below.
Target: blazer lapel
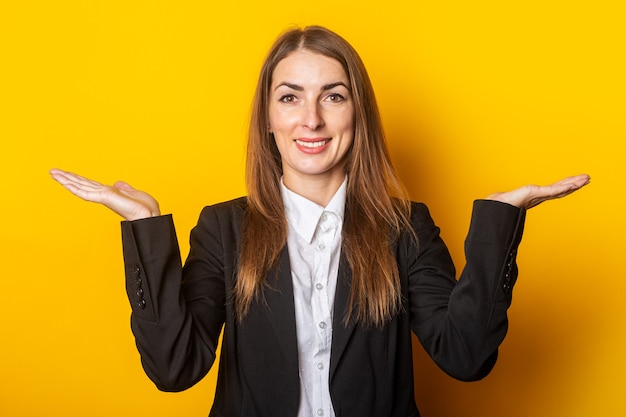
(341, 331)
(281, 311)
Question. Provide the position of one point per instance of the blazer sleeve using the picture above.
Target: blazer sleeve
(177, 313)
(462, 323)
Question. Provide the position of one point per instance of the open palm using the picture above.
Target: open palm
(532, 195)
(128, 202)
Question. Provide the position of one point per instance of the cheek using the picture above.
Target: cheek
(272, 118)
(349, 129)
(280, 119)
(347, 124)
(349, 117)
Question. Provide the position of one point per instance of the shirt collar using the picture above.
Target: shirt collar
(304, 215)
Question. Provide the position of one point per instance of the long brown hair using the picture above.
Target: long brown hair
(377, 209)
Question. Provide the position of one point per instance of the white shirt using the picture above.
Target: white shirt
(314, 244)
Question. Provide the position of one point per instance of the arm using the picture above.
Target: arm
(177, 314)
(461, 324)
(175, 334)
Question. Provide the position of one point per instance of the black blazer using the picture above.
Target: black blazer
(178, 313)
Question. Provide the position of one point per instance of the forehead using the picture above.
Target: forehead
(304, 67)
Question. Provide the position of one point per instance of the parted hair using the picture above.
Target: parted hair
(377, 207)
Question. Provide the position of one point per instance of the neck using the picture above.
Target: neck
(319, 189)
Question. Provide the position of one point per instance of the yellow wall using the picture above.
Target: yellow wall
(476, 96)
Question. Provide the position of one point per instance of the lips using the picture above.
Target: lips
(315, 143)
(312, 145)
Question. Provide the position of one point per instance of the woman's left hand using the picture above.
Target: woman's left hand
(532, 195)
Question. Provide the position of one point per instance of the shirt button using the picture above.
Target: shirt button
(319, 286)
(320, 366)
(322, 324)
(321, 246)
(324, 217)
(320, 412)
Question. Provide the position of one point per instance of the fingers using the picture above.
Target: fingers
(64, 177)
(533, 195)
(567, 186)
(576, 182)
(559, 189)
(121, 197)
(80, 186)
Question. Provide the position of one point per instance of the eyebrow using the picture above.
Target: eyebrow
(300, 88)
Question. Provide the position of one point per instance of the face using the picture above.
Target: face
(311, 115)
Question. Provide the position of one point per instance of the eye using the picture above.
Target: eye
(335, 98)
(287, 98)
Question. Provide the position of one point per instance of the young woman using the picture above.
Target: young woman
(320, 274)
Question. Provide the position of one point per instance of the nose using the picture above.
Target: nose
(312, 116)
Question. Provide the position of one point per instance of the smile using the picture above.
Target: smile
(310, 144)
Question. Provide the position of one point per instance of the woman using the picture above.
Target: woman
(319, 276)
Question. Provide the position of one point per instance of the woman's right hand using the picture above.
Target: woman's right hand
(123, 199)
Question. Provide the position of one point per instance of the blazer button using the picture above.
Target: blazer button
(141, 304)
(135, 271)
(139, 292)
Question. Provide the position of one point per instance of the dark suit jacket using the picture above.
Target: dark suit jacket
(178, 314)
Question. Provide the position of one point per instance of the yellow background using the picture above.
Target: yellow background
(476, 96)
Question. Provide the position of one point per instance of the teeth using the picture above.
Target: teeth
(311, 144)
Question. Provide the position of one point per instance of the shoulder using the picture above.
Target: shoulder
(226, 215)
(226, 209)
(419, 209)
(420, 216)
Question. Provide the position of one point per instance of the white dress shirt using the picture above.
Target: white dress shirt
(314, 244)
